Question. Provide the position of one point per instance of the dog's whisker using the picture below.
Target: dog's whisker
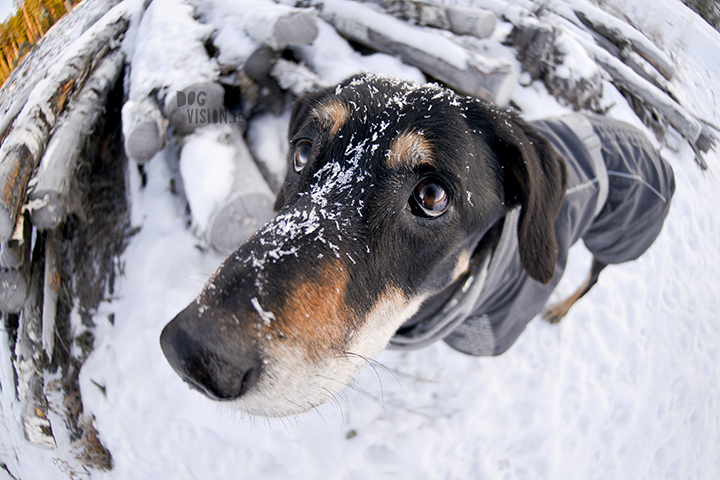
(375, 363)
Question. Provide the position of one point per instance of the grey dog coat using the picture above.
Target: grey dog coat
(617, 198)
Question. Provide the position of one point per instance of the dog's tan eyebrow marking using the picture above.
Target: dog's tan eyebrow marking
(409, 149)
(332, 115)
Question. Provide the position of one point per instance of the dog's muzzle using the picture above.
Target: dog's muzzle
(208, 355)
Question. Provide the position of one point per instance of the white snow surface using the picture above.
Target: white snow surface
(626, 387)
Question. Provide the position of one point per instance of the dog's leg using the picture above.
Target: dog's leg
(555, 313)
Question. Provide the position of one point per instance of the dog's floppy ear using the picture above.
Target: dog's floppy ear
(535, 177)
(302, 107)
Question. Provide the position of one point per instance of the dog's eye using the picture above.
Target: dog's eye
(429, 199)
(302, 154)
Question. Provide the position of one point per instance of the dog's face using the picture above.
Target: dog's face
(390, 188)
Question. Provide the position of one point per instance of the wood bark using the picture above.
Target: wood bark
(50, 197)
(29, 363)
(51, 290)
(15, 268)
(23, 146)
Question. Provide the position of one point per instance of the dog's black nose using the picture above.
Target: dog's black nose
(208, 359)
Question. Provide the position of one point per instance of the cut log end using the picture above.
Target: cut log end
(144, 141)
(471, 21)
(235, 222)
(47, 210)
(286, 27)
(296, 29)
(144, 128)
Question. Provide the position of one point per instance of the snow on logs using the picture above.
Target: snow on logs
(178, 43)
(24, 144)
(464, 70)
(459, 20)
(618, 32)
(579, 18)
(229, 198)
(159, 97)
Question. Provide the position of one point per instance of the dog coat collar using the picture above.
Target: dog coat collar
(460, 305)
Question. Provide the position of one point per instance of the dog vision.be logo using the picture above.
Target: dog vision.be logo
(201, 111)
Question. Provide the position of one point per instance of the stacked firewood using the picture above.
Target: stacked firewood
(193, 102)
(48, 116)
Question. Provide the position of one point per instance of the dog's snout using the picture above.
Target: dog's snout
(209, 360)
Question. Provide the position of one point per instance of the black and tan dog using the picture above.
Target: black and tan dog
(410, 214)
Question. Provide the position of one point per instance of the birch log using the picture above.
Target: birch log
(51, 289)
(228, 196)
(467, 72)
(280, 26)
(52, 190)
(16, 90)
(15, 268)
(144, 129)
(29, 360)
(24, 144)
(158, 97)
(459, 20)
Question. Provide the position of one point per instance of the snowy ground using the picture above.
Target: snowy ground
(626, 387)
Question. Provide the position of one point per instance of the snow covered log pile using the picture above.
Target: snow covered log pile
(585, 38)
(436, 53)
(199, 84)
(53, 114)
